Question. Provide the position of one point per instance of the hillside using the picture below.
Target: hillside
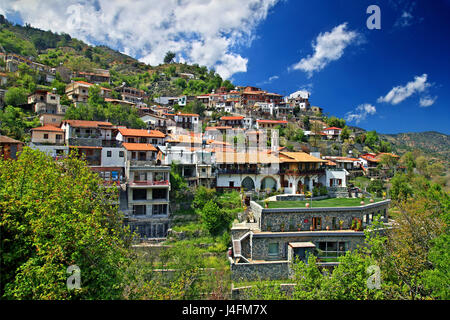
(57, 50)
(431, 143)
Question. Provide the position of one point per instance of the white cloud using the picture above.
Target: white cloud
(328, 47)
(400, 93)
(427, 101)
(270, 80)
(405, 20)
(207, 32)
(360, 113)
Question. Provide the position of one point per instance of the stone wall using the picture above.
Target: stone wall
(290, 219)
(260, 244)
(276, 270)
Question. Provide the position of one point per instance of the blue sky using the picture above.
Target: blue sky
(393, 56)
(391, 80)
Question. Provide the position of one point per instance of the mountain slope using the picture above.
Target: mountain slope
(431, 143)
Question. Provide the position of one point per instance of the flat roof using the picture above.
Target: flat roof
(302, 245)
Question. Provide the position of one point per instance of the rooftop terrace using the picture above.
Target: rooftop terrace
(325, 203)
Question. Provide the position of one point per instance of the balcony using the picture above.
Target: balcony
(238, 171)
(303, 172)
(147, 183)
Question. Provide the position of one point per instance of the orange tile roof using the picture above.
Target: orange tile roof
(141, 133)
(298, 157)
(246, 157)
(232, 118)
(48, 128)
(88, 124)
(218, 128)
(272, 121)
(139, 146)
(187, 114)
(332, 128)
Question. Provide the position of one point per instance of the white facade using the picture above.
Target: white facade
(113, 157)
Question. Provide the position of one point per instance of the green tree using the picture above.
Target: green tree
(371, 139)
(400, 188)
(345, 133)
(168, 58)
(214, 218)
(53, 215)
(202, 196)
(16, 96)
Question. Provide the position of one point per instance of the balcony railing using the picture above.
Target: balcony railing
(303, 172)
(149, 183)
(238, 171)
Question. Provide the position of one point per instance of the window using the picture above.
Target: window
(45, 135)
(159, 194)
(109, 154)
(331, 249)
(160, 209)
(139, 210)
(121, 154)
(154, 141)
(273, 249)
(58, 137)
(140, 194)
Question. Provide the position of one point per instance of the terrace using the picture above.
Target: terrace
(324, 203)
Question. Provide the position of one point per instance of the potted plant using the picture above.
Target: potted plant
(299, 227)
(359, 225)
(328, 228)
(269, 227)
(266, 203)
(282, 227)
(384, 195)
(311, 228)
(341, 224)
(353, 224)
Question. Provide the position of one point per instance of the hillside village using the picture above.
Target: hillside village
(137, 130)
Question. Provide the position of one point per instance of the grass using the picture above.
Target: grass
(332, 202)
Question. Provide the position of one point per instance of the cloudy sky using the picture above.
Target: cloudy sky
(393, 80)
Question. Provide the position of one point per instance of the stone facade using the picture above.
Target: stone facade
(264, 246)
(276, 270)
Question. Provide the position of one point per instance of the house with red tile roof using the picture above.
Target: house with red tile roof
(270, 124)
(9, 147)
(78, 91)
(154, 137)
(47, 134)
(232, 121)
(188, 121)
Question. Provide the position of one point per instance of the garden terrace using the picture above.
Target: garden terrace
(324, 203)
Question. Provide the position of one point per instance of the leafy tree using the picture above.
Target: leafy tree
(345, 133)
(408, 160)
(202, 196)
(400, 188)
(214, 218)
(16, 96)
(53, 215)
(371, 139)
(168, 58)
(228, 85)
(171, 71)
(306, 123)
(335, 122)
(180, 83)
(177, 183)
